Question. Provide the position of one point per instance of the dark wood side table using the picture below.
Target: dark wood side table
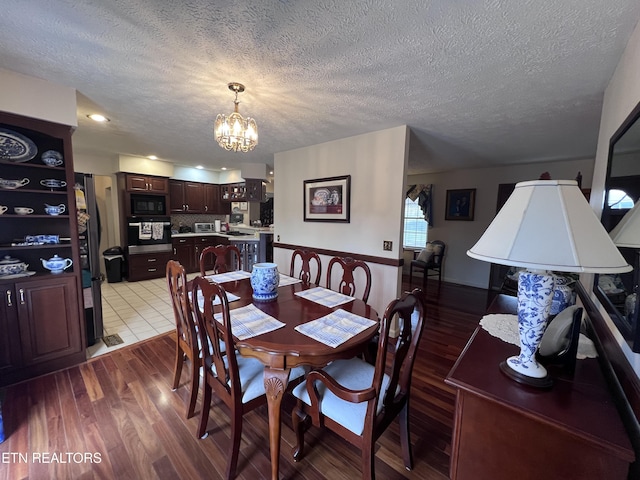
(504, 430)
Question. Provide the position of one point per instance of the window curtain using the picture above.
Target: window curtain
(424, 194)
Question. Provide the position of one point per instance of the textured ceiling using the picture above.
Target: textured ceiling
(478, 82)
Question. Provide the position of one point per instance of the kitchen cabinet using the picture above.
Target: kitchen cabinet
(186, 197)
(41, 324)
(251, 190)
(144, 266)
(195, 197)
(184, 252)
(187, 250)
(213, 201)
(146, 183)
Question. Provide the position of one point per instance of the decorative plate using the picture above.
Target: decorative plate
(15, 147)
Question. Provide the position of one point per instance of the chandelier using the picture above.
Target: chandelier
(234, 132)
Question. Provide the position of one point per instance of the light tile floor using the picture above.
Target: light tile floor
(135, 311)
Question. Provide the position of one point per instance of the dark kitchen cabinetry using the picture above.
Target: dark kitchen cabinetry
(141, 195)
(146, 183)
(40, 313)
(251, 190)
(187, 250)
(184, 252)
(41, 325)
(195, 197)
(213, 201)
(186, 197)
(144, 266)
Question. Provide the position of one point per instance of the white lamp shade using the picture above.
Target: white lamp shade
(548, 225)
(627, 232)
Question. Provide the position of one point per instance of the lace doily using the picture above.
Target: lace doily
(505, 327)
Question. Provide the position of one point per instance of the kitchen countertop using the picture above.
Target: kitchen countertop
(220, 234)
(250, 230)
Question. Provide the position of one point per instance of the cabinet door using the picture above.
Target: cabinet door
(48, 318)
(158, 184)
(177, 203)
(184, 252)
(136, 183)
(211, 198)
(194, 197)
(255, 190)
(10, 354)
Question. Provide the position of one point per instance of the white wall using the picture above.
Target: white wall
(36, 98)
(620, 98)
(377, 164)
(459, 236)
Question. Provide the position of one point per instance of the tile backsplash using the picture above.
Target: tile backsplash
(189, 219)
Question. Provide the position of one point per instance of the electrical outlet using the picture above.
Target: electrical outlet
(278, 239)
(387, 245)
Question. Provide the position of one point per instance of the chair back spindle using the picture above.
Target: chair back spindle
(347, 284)
(307, 259)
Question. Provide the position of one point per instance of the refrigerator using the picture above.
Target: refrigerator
(89, 231)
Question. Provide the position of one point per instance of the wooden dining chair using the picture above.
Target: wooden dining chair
(307, 258)
(347, 284)
(227, 259)
(186, 331)
(238, 381)
(358, 401)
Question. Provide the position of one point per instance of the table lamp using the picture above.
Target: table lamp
(544, 226)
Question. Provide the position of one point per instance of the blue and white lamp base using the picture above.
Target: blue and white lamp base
(535, 295)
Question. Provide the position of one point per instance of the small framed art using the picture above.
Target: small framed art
(461, 204)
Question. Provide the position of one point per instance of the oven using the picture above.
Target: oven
(148, 234)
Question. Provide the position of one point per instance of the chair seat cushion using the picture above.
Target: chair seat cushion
(425, 254)
(354, 374)
(251, 373)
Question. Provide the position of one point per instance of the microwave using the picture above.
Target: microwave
(142, 204)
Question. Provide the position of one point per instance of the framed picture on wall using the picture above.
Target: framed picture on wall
(460, 204)
(327, 199)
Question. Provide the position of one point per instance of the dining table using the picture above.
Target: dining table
(284, 348)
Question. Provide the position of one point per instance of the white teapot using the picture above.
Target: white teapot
(56, 264)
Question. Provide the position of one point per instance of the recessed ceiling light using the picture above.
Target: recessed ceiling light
(271, 172)
(152, 157)
(199, 167)
(96, 117)
(223, 168)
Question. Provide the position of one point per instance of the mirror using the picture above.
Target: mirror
(619, 292)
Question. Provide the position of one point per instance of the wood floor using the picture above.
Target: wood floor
(116, 417)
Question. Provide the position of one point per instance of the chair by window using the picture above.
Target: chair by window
(347, 284)
(238, 381)
(431, 258)
(227, 259)
(307, 258)
(358, 401)
(186, 332)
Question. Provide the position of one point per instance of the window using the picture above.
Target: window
(619, 200)
(415, 226)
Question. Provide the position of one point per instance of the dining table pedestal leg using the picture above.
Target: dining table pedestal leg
(275, 384)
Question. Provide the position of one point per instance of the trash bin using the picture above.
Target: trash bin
(113, 263)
